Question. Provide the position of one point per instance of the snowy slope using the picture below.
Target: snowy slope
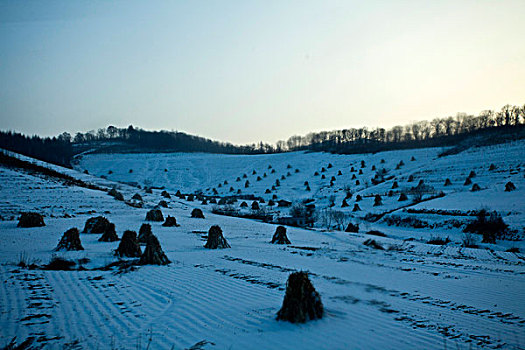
(190, 173)
(411, 295)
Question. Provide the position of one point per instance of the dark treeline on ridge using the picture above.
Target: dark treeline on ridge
(436, 133)
(498, 126)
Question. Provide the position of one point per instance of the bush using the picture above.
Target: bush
(469, 240)
(59, 264)
(490, 226)
(438, 240)
(28, 219)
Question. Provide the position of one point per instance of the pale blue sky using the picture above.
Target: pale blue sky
(245, 71)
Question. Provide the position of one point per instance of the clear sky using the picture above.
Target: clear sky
(244, 71)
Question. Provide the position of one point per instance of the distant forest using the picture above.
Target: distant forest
(508, 123)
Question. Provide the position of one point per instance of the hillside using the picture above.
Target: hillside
(192, 173)
(428, 296)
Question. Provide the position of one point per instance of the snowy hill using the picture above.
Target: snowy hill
(408, 295)
(228, 174)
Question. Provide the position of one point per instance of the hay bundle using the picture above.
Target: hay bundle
(358, 198)
(129, 245)
(267, 191)
(28, 219)
(271, 203)
(153, 254)
(154, 215)
(110, 235)
(179, 195)
(354, 177)
(170, 222)
(329, 165)
(204, 201)
(354, 228)
(357, 183)
(360, 172)
(98, 224)
(363, 164)
(255, 205)
(323, 177)
(395, 185)
(413, 159)
(165, 194)
(163, 204)
(190, 198)
(390, 193)
(116, 194)
(492, 167)
(301, 301)
(509, 186)
(70, 240)
(279, 237)
(247, 184)
(148, 190)
(197, 213)
(356, 207)
(373, 167)
(402, 197)
(215, 239)
(345, 204)
(352, 169)
(144, 233)
(137, 197)
(472, 174)
(410, 178)
(448, 182)
(377, 200)
(467, 182)
(475, 188)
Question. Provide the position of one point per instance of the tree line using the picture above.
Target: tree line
(438, 132)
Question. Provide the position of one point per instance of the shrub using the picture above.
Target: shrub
(438, 240)
(469, 240)
(490, 228)
(301, 301)
(59, 264)
(29, 219)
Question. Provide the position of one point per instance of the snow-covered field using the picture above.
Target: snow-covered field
(412, 295)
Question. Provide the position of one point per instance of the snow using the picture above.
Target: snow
(410, 295)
